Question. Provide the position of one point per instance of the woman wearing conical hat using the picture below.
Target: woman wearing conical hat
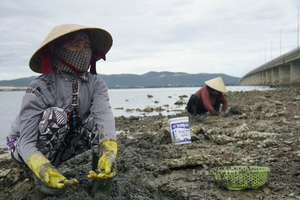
(209, 98)
(66, 110)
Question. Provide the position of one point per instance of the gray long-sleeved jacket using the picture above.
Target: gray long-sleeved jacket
(55, 91)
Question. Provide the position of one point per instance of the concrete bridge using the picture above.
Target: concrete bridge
(283, 70)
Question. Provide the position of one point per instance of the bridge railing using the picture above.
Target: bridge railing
(293, 54)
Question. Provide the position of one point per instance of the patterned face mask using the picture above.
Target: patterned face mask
(80, 59)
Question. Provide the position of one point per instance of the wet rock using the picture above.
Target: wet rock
(282, 113)
(134, 118)
(297, 98)
(179, 102)
(148, 109)
(277, 103)
(222, 139)
(183, 96)
(242, 116)
(257, 107)
(162, 170)
(4, 172)
(269, 115)
(157, 125)
(237, 110)
(244, 143)
(193, 160)
(238, 132)
(149, 95)
(150, 185)
(266, 190)
(21, 189)
(269, 143)
(158, 109)
(220, 197)
(197, 130)
(212, 132)
(254, 135)
(194, 138)
(229, 125)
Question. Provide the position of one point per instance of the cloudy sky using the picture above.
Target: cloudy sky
(194, 36)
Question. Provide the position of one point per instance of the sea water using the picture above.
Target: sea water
(124, 102)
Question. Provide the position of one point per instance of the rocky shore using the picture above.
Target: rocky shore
(260, 128)
(8, 88)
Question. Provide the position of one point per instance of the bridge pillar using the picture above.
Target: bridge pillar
(284, 74)
(268, 76)
(275, 75)
(295, 72)
(254, 79)
(263, 81)
(257, 78)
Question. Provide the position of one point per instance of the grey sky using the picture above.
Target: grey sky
(200, 36)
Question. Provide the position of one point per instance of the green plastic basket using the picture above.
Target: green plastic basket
(241, 177)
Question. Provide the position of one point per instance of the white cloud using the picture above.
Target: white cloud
(217, 36)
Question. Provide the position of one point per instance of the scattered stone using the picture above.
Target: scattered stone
(183, 96)
(254, 135)
(193, 160)
(3, 173)
(266, 191)
(148, 109)
(179, 102)
(297, 98)
(237, 110)
(257, 107)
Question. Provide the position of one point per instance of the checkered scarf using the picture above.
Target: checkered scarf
(80, 59)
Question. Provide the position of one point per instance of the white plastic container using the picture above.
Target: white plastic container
(180, 130)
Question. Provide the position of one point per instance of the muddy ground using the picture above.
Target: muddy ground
(261, 128)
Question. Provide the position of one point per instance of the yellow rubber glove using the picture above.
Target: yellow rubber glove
(107, 168)
(47, 173)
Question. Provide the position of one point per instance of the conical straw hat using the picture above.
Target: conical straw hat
(100, 39)
(217, 84)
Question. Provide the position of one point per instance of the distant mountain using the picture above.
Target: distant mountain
(150, 79)
(21, 82)
(164, 79)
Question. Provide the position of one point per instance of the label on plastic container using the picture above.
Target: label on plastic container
(180, 132)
